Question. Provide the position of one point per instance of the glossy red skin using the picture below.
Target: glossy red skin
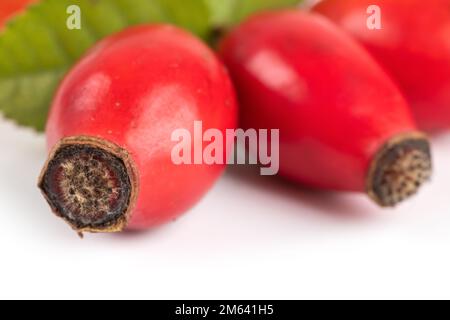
(134, 89)
(334, 106)
(9, 8)
(413, 46)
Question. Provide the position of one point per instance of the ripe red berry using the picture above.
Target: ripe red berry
(413, 45)
(343, 124)
(111, 123)
(9, 8)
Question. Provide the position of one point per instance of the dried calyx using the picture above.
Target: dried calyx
(91, 184)
(400, 169)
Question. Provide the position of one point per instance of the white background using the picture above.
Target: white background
(250, 238)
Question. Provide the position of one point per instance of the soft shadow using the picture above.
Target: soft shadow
(339, 205)
(131, 235)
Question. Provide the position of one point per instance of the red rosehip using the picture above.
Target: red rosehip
(9, 8)
(413, 45)
(343, 124)
(111, 123)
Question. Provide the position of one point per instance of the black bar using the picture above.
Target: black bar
(181, 310)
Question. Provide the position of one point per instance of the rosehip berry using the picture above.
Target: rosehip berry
(111, 123)
(9, 8)
(343, 124)
(412, 43)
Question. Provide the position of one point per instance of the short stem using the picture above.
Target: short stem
(90, 183)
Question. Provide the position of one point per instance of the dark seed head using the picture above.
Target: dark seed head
(400, 169)
(89, 186)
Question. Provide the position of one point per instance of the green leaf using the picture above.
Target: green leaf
(37, 49)
(225, 13)
(221, 11)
